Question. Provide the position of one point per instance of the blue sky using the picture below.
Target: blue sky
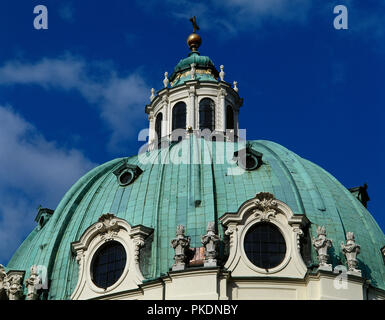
(73, 96)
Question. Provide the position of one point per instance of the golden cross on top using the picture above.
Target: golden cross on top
(194, 23)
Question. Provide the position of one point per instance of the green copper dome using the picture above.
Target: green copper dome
(205, 69)
(166, 195)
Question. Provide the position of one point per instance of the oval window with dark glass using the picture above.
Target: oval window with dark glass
(265, 246)
(108, 264)
(249, 162)
(126, 177)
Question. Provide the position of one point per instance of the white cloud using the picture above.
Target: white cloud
(283, 9)
(16, 221)
(121, 99)
(66, 73)
(123, 105)
(33, 171)
(368, 22)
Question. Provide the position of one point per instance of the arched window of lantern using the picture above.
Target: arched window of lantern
(179, 116)
(206, 114)
(158, 127)
(229, 117)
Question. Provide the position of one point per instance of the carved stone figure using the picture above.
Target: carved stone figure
(351, 249)
(152, 94)
(235, 86)
(14, 286)
(3, 275)
(321, 245)
(80, 260)
(139, 243)
(222, 73)
(32, 284)
(266, 205)
(210, 241)
(193, 71)
(166, 81)
(181, 245)
(107, 226)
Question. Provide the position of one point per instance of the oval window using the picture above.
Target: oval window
(265, 246)
(108, 264)
(249, 162)
(126, 177)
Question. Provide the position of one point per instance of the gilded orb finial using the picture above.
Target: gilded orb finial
(194, 40)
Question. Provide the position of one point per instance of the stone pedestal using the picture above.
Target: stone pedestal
(325, 267)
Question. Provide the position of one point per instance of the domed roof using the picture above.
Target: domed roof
(166, 195)
(206, 70)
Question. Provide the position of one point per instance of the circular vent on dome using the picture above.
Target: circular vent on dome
(249, 162)
(126, 177)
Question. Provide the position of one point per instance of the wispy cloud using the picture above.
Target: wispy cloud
(254, 9)
(368, 23)
(122, 106)
(33, 171)
(66, 12)
(234, 16)
(120, 99)
(238, 16)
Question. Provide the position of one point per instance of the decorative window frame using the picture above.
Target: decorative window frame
(43, 215)
(134, 170)
(173, 105)
(162, 134)
(264, 208)
(109, 228)
(214, 111)
(230, 106)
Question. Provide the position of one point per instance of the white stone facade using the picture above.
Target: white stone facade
(237, 279)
